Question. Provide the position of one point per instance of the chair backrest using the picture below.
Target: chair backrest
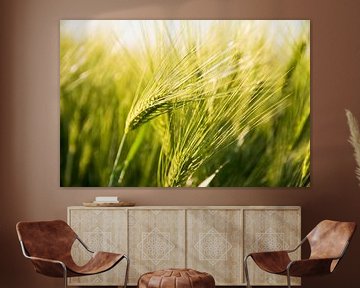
(46, 239)
(329, 239)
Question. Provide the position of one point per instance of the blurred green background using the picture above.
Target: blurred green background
(185, 103)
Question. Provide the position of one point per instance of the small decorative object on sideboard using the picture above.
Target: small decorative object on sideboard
(108, 201)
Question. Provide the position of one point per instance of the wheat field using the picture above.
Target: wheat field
(185, 103)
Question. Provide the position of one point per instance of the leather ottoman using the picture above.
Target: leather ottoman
(176, 278)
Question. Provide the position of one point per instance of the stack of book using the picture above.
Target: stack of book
(106, 199)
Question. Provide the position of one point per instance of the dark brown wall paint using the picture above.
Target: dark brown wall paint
(29, 119)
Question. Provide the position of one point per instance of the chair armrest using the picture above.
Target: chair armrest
(309, 267)
(298, 246)
(267, 253)
(281, 251)
(48, 267)
(46, 260)
(271, 261)
(83, 244)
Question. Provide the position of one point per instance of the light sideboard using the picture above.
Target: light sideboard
(211, 239)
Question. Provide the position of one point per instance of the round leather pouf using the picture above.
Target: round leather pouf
(176, 278)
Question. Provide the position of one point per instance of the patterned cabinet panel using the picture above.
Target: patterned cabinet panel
(101, 230)
(156, 240)
(271, 229)
(214, 244)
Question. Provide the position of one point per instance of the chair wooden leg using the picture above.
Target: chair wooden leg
(246, 271)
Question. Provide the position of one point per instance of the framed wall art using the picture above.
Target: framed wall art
(185, 103)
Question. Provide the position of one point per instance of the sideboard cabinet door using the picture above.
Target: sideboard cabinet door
(214, 244)
(269, 230)
(156, 240)
(101, 230)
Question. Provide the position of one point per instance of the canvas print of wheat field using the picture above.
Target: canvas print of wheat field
(185, 103)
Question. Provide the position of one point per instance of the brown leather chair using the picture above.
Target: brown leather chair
(328, 242)
(48, 245)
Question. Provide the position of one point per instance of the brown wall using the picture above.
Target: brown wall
(29, 119)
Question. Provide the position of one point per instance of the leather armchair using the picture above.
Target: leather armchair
(328, 242)
(48, 245)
